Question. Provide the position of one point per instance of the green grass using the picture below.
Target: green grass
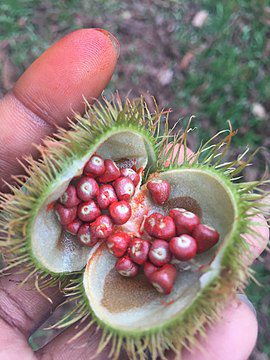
(231, 72)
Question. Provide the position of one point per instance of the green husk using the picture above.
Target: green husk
(19, 208)
(231, 277)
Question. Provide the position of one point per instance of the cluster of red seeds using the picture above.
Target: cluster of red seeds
(99, 199)
(93, 203)
(180, 235)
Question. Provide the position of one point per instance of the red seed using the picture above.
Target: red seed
(132, 175)
(176, 211)
(65, 215)
(205, 236)
(87, 188)
(159, 253)
(151, 221)
(163, 279)
(117, 243)
(69, 198)
(120, 212)
(124, 188)
(112, 172)
(185, 221)
(95, 166)
(85, 236)
(149, 268)
(159, 190)
(73, 227)
(102, 227)
(139, 250)
(106, 196)
(160, 226)
(88, 211)
(183, 247)
(126, 267)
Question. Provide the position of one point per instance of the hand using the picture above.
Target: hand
(82, 63)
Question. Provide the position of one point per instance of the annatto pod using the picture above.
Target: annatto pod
(143, 322)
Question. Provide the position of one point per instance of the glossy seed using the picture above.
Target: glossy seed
(120, 212)
(88, 211)
(69, 198)
(102, 227)
(206, 237)
(87, 188)
(159, 253)
(183, 247)
(95, 166)
(65, 215)
(159, 190)
(126, 267)
(118, 243)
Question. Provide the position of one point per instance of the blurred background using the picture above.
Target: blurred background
(206, 58)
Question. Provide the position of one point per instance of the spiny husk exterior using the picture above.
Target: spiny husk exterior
(19, 208)
(183, 331)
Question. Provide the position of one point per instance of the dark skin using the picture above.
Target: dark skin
(82, 63)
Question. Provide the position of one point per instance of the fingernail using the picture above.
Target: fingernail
(113, 39)
(245, 300)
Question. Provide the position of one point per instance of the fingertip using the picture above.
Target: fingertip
(80, 64)
(258, 238)
(233, 337)
(178, 153)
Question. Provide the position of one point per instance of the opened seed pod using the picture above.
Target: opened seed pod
(156, 247)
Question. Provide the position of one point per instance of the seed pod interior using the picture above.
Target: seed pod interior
(137, 306)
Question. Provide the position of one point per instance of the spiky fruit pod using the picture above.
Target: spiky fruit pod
(28, 217)
(126, 308)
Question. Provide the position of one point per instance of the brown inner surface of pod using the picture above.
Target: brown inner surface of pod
(117, 287)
